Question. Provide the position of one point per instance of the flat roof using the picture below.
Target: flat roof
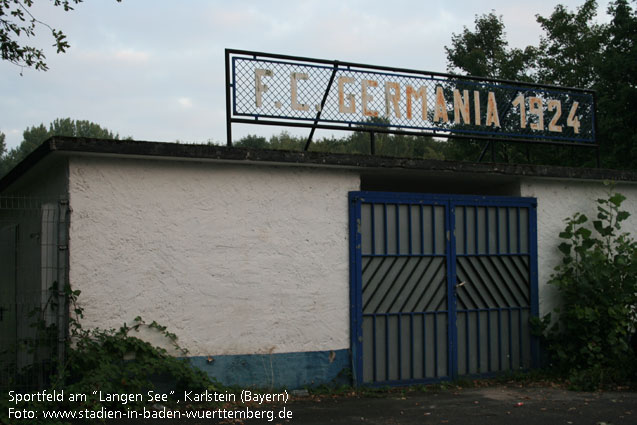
(179, 151)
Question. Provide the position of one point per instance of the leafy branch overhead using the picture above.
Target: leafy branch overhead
(18, 24)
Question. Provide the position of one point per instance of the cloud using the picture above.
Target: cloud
(185, 102)
(131, 56)
(108, 55)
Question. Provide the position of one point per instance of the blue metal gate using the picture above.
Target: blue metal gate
(442, 286)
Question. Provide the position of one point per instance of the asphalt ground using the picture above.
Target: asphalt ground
(506, 404)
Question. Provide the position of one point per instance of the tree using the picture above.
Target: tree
(485, 53)
(16, 20)
(3, 146)
(568, 55)
(3, 150)
(570, 47)
(283, 141)
(574, 51)
(578, 52)
(252, 141)
(357, 142)
(32, 137)
(617, 88)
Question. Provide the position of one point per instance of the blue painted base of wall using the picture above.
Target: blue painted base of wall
(279, 370)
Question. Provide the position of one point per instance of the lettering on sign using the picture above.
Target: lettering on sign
(409, 101)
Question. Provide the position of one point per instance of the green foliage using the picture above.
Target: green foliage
(3, 150)
(570, 48)
(597, 284)
(118, 362)
(32, 137)
(114, 361)
(283, 141)
(16, 20)
(574, 51)
(485, 53)
(617, 88)
(355, 143)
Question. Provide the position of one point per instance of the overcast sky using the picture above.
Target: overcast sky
(153, 69)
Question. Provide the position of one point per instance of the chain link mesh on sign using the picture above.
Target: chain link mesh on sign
(354, 96)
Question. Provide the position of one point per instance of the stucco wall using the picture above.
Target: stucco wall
(557, 200)
(233, 259)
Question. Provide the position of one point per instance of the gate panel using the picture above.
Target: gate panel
(404, 291)
(442, 286)
(493, 294)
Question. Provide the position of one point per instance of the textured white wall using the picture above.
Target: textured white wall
(233, 259)
(557, 200)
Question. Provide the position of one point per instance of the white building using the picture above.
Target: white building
(297, 268)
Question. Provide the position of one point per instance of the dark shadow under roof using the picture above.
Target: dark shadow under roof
(133, 148)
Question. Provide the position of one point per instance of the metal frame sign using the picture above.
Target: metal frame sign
(293, 91)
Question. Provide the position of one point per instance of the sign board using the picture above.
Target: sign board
(285, 90)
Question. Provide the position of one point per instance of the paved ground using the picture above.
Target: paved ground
(489, 406)
(495, 405)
